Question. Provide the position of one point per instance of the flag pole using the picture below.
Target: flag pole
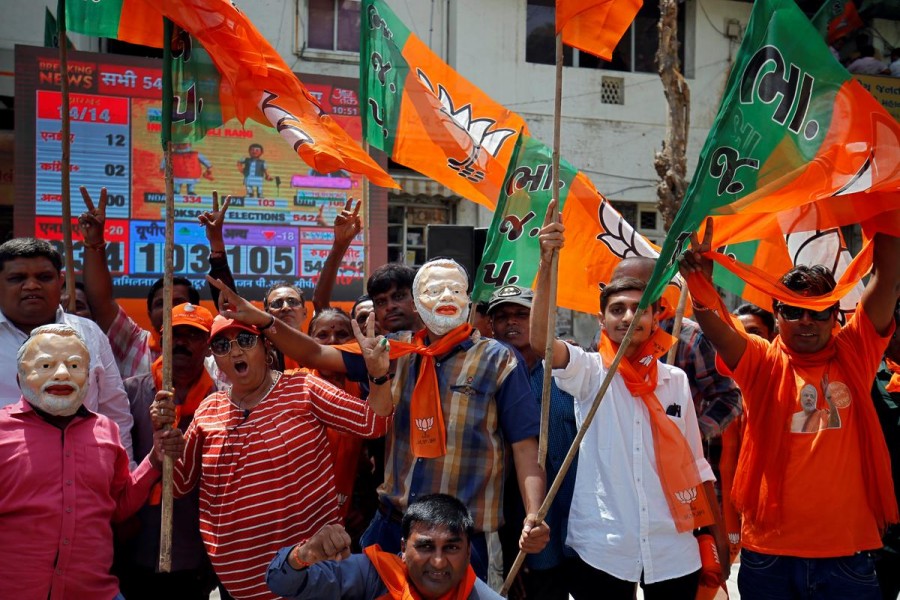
(573, 449)
(167, 502)
(554, 265)
(679, 317)
(66, 158)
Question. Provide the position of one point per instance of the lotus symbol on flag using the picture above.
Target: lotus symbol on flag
(341, 498)
(619, 237)
(425, 424)
(734, 538)
(687, 496)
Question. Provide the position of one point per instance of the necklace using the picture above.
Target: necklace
(241, 403)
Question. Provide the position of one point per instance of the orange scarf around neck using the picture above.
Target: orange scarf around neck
(675, 462)
(194, 397)
(395, 577)
(893, 385)
(428, 437)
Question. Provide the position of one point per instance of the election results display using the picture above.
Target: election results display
(279, 225)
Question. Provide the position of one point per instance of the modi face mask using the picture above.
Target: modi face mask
(441, 297)
(53, 372)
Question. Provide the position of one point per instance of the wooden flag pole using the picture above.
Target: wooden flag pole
(573, 449)
(554, 266)
(168, 499)
(66, 158)
(679, 317)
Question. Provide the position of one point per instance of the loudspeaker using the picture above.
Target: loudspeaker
(453, 241)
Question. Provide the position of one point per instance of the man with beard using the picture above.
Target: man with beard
(390, 288)
(64, 476)
(459, 399)
(192, 575)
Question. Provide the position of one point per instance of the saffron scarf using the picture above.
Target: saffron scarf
(765, 450)
(893, 385)
(428, 437)
(395, 577)
(199, 390)
(675, 462)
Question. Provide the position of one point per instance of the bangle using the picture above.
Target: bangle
(97, 246)
(295, 560)
(267, 326)
(382, 379)
(216, 254)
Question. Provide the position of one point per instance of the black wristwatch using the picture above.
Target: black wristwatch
(380, 380)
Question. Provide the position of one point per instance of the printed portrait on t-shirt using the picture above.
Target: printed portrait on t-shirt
(811, 417)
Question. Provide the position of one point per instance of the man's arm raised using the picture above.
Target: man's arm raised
(552, 240)
(346, 225)
(728, 343)
(99, 293)
(299, 346)
(880, 296)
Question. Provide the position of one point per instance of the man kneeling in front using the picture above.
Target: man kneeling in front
(434, 562)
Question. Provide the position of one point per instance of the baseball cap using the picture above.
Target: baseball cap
(193, 315)
(513, 294)
(221, 324)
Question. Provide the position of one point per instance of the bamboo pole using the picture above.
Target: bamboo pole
(554, 265)
(167, 503)
(66, 158)
(679, 317)
(573, 449)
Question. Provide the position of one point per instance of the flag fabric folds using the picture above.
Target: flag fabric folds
(426, 116)
(196, 88)
(797, 145)
(595, 26)
(597, 237)
(255, 80)
(132, 21)
(836, 19)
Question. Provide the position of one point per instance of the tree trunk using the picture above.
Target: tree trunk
(671, 161)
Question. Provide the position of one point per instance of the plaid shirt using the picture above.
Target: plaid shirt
(717, 398)
(487, 403)
(130, 345)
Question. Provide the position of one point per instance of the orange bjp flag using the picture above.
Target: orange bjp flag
(595, 26)
(256, 80)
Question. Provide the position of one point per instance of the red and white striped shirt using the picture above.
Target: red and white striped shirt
(266, 478)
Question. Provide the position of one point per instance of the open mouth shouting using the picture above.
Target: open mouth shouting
(241, 367)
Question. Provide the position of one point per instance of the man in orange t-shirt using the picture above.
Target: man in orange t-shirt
(813, 499)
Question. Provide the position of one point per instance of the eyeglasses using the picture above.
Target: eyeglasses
(292, 302)
(795, 313)
(222, 346)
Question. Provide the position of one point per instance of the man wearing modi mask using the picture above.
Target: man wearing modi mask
(459, 400)
(64, 476)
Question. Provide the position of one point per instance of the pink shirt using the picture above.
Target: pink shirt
(60, 492)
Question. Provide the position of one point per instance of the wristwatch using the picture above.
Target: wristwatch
(380, 380)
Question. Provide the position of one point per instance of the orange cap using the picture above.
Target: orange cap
(193, 315)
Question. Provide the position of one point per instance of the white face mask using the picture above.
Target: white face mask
(441, 299)
(53, 374)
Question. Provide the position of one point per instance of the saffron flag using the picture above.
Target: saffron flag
(597, 237)
(836, 19)
(132, 21)
(257, 83)
(426, 116)
(793, 129)
(595, 26)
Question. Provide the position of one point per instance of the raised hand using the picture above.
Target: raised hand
(376, 349)
(693, 260)
(347, 224)
(93, 221)
(329, 543)
(232, 306)
(551, 235)
(214, 220)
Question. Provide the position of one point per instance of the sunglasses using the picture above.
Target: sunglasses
(795, 313)
(222, 346)
(292, 302)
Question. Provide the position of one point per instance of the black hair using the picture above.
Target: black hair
(328, 310)
(252, 146)
(815, 280)
(765, 316)
(482, 308)
(193, 294)
(619, 285)
(277, 286)
(391, 274)
(27, 247)
(439, 510)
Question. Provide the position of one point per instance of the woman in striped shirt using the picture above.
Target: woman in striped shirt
(259, 454)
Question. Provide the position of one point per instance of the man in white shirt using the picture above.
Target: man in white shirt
(642, 483)
(30, 287)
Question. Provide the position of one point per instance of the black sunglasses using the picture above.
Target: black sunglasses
(290, 301)
(795, 313)
(221, 346)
